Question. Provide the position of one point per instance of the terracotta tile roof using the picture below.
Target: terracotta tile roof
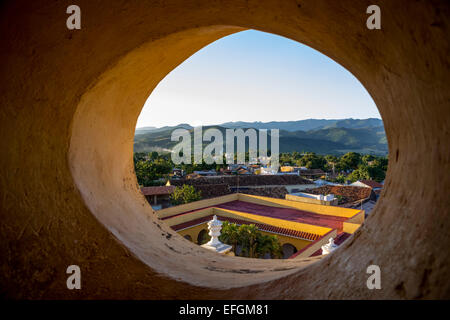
(273, 192)
(244, 180)
(312, 172)
(261, 226)
(151, 191)
(372, 183)
(213, 190)
(348, 193)
(217, 190)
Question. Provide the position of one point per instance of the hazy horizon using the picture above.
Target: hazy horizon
(256, 121)
(255, 76)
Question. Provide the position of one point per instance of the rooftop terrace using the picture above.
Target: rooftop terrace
(310, 222)
(295, 215)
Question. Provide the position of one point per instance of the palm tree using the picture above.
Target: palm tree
(253, 234)
(247, 239)
(230, 234)
(268, 244)
(253, 243)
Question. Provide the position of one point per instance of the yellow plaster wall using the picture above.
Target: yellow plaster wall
(172, 221)
(354, 215)
(317, 245)
(357, 218)
(196, 205)
(195, 230)
(178, 219)
(350, 227)
(248, 217)
(297, 243)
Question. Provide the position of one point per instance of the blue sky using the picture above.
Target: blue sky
(256, 76)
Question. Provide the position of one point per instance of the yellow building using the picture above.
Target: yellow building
(302, 228)
(287, 169)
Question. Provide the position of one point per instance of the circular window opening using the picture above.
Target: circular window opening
(102, 167)
(279, 142)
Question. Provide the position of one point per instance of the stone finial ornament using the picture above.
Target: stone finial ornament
(329, 247)
(214, 244)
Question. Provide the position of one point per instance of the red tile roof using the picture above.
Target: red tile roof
(371, 183)
(151, 191)
(272, 192)
(347, 193)
(217, 190)
(333, 222)
(213, 190)
(295, 215)
(261, 226)
(312, 172)
(244, 180)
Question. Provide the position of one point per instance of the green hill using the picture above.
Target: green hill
(337, 139)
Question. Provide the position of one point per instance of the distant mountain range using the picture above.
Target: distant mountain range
(155, 129)
(307, 125)
(313, 135)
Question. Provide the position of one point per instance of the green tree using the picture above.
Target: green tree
(268, 244)
(151, 167)
(340, 178)
(153, 155)
(248, 235)
(252, 242)
(139, 156)
(365, 172)
(376, 173)
(230, 234)
(331, 158)
(144, 173)
(312, 161)
(185, 194)
(382, 163)
(161, 167)
(361, 173)
(367, 158)
(285, 159)
(350, 160)
(296, 155)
